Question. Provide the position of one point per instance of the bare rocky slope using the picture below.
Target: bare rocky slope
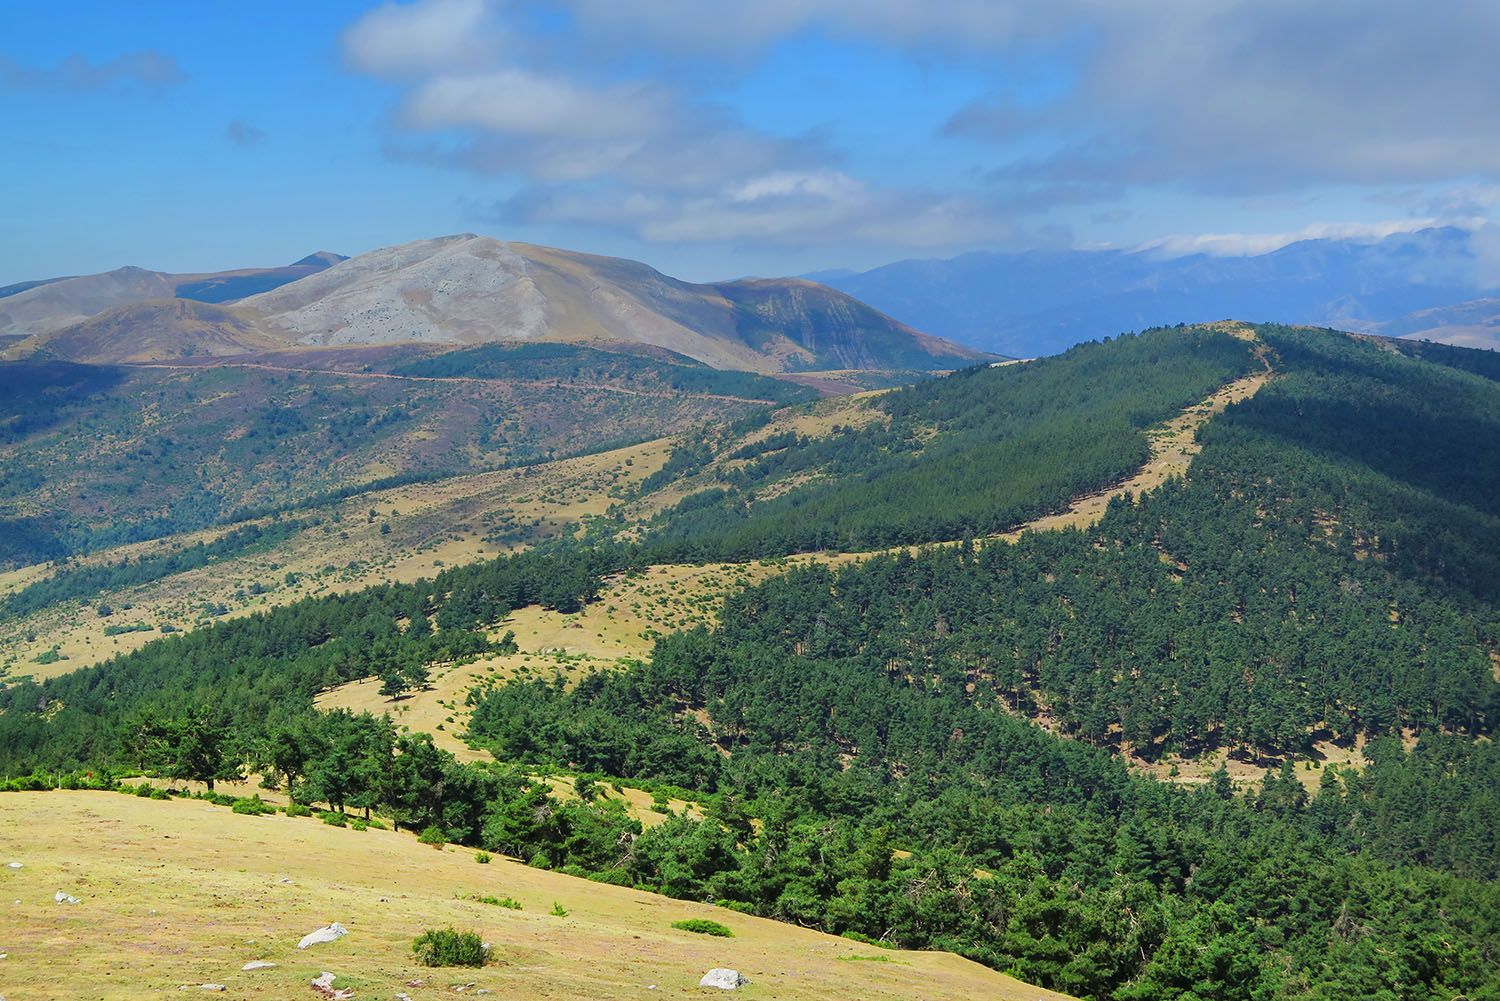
(459, 291)
(470, 289)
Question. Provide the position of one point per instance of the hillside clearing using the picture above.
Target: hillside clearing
(188, 893)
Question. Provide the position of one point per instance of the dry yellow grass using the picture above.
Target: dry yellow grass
(617, 628)
(431, 526)
(183, 893)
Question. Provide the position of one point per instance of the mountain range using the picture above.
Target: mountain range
(1040, 302)
(460, 291)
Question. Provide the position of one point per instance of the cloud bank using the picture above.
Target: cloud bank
(621, 116)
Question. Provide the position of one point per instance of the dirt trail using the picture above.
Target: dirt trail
(622, 624)
(1173, 446)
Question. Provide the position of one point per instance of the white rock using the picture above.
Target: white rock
(328, 933)
(210, 987)
(12, 865)
(725, 980)
(258, 964)
(323, 984)
(65, 898)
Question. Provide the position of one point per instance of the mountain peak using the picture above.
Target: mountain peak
(320, 259)
(472, 289)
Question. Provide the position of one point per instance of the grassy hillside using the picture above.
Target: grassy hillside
(92, 456)
(239, 888)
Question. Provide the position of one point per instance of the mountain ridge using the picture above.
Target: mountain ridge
(464, 290)
(1033, 303)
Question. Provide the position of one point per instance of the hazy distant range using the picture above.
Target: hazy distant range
(1430, 283)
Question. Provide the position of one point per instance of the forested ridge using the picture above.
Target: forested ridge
(860, 738)
(978, 452)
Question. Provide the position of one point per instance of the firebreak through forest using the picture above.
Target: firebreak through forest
(862, 740)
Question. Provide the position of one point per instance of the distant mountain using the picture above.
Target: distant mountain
(1036, 303)
(1472, 324)
(462, 291)
(156, 330)
(40, 307)
(227, 286)
(469, 289)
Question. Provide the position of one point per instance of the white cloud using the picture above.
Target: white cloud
(429, 35)
(592, 115)
(1254, 244)
(781, 209)
(519, 102)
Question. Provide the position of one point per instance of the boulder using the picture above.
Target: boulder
(328, 933)
(258, 964)
(724, 980)
(323, 984)
(65, 898)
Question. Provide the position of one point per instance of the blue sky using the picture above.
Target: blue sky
(714, 140)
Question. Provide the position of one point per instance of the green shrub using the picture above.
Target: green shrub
(703, 926)
(483, 858)
(156, 793)
(253, 805)
(143, 790)
(335, 819)
(434, 836)
(373, 823)
(867, 940)
(509, 903)
(558, 910)
(448, 947)
(358, 824)
(298, 810)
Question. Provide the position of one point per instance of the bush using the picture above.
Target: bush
(703, 926)
(253, 805)
(509, 903)
(447, 947)
(298, 810)
(483, 858)
(867, 940)
(335, 819)
(143, 790)
(558, 910)
(434, 836)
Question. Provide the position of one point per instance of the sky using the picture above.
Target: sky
(714, 140)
